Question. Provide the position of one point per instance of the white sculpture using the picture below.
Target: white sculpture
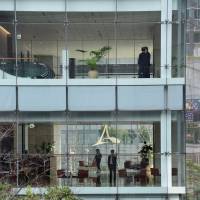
(106, 139)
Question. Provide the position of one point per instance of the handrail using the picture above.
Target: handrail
(24, 58)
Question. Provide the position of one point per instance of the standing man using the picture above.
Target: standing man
(97, 159)
(144, 63)
(112, 164)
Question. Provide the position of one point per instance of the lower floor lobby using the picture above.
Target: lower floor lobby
(43, 152)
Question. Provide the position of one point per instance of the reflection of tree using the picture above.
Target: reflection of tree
(193, 133)
(193, 179)
(143, 133)
(6, 137)
(31, 169)
(6, 131)
(127, 136)
(122, 134)
(6, 193)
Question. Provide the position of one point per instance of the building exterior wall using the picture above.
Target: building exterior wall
(49, 101)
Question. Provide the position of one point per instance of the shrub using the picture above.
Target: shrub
(5, 191)
(53, 193)
(59, 193)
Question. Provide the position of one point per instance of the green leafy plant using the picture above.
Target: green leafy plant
(59, 193)
(5, 191)
(53, 193)
(44, 148)
(146, 151)
(30, 195)
(193, 179)
(95, 56)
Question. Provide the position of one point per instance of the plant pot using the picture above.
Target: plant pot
(93, 74)
(148, 171)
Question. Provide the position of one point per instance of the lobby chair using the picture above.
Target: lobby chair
(81, 163)
(122, 173)
(61, 173)
(82, 173)
(155, 173)
(127, 164)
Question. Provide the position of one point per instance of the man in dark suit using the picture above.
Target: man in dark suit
(144, 63)
(112, 165)
(97, 159)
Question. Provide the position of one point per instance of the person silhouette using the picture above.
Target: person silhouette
(112, 164)
(144, 63)
(97, 159)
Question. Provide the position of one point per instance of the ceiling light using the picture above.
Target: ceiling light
(4, 30)
(31, 125)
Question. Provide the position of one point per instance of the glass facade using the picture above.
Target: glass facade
(62, 149)
(56, 126)
(35, 41)
(178, 38)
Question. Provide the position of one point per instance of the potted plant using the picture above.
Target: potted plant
(95, 56)
(45, 148)
(146, 155)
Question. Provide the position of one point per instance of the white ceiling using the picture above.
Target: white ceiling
(87, 26)
(91, 17)
(80, 17)
(87, 31)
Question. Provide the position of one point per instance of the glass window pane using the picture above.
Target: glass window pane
(178, 38)
(91, 46)
(7, 51)
(38, 50)
(8, 148)
(178, 50)
(131, 38)
(178, 149)
(39, 141)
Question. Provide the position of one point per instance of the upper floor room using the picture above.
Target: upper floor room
(66, 40)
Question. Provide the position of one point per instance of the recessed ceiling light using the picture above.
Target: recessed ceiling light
(4, 30)
(31, 125)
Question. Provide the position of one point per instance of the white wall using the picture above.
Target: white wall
(127, 50)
